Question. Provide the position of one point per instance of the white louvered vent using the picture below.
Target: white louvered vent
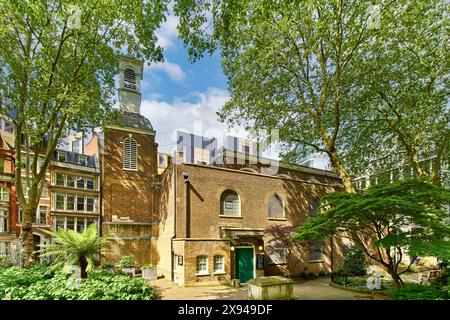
(130, 154)
(129, 79)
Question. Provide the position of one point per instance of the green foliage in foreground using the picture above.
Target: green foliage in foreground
(361, 282)
(413, 291)
(355, 262)
(41, 283)
(72, 247)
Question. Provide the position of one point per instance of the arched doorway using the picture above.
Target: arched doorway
(244, 257)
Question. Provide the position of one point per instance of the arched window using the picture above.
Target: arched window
(314, 205)
(275, 209)
(202, 265)
(129, 79)
(130, 154)
(230, 204)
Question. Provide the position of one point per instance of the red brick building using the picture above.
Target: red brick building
(199, 223)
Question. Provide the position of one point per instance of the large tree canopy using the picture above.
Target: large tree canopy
(402, 108)
(385, 220)
(321, 72)
(57, 65)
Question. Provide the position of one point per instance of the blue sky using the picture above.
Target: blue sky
(179, 95)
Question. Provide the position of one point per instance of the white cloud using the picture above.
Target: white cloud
(198, 117)
(168, 33)
(173, 70)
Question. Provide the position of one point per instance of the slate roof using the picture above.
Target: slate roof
(135, 120)
(72, 158)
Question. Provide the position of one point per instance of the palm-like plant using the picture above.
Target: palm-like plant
(73, 247)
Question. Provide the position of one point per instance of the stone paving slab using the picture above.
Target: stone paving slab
(317, 289)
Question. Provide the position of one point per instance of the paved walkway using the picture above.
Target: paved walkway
(317, 289)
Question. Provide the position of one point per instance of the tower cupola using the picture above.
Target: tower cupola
(131, 74)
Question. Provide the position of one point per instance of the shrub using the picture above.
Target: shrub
(43, 284)
(148, 266)
(6, 261)
(107, 266)
(127, 262)
(322, 273)
(354, 262)
(413, 291)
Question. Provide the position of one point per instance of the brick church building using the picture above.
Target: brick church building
(198, 223)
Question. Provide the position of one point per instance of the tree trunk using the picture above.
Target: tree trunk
(341, 170)
(26, 235)
(397, 280)
(436, 171)
(83, 266)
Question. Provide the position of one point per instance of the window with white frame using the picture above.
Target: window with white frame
(80, 203)
(202, 265)
(59, 202)
(4, 194)
(72, 223)
(219, 265)
(70, 181)
(3, 221)
(80, 182)
(89, 204)
(230, 204)
(59, 179)
(316, 251)
(42, 215)
(62, 156)
(5, 248)
(130, 154)
(70, 202)
(90, 183)
(74, 202)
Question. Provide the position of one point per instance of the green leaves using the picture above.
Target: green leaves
(70, 245)
(404, 214)
(39, 283)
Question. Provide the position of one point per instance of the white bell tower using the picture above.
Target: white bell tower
(131, 73)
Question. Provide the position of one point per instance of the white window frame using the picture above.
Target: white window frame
(222, 262)
(38, 215)
(4, 193)
(61, 154)
(63, 178)
(4, 221)
(198, 263)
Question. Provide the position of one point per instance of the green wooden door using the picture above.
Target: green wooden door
(244, 264)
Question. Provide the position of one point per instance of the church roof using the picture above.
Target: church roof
(135, 120)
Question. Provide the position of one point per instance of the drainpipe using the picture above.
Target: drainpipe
(187, 204)
(172, 276)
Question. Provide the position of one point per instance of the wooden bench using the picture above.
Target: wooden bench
(426, 278)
